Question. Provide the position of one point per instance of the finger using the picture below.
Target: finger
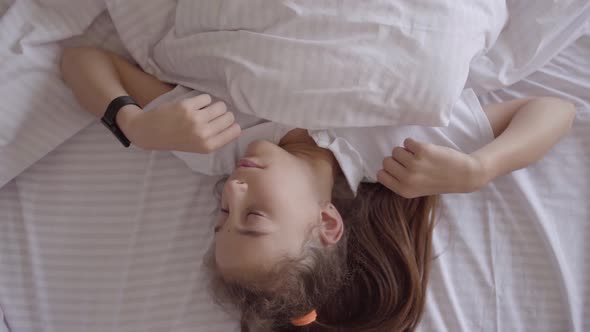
(220, 123)
(413, 146)
(394, 168)
(224, 137)
(213, 111)
(388, 181)
(403, 156)
(197, 102)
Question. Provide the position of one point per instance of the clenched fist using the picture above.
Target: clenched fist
(190, 125)
(422, 169)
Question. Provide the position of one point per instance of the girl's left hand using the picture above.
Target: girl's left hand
(422, 169)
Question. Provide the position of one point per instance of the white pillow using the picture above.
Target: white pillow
(536, 32)
(318, 64)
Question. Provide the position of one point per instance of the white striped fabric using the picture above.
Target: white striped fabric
(515, 256)
(316, 64)
(361, 67)
(536, 32)
(37, 112)
(94, 237)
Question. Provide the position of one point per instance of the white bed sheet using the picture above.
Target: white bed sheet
(94, 237)
(515, 256)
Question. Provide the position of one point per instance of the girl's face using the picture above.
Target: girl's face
(269, 207)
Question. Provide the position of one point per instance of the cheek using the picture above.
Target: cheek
(292, 205)
(286, 192)
(261, 148)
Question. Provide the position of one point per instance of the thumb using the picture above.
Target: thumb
(197, 102)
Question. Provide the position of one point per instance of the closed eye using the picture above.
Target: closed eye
(255, 213)
(226, 211)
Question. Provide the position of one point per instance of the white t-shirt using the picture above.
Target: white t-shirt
(359, 151)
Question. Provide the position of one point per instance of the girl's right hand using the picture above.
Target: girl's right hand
(190, 125)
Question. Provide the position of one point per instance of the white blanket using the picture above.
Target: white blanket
(302, 63)
(536, 31)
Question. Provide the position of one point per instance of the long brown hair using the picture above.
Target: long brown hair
(374, 279)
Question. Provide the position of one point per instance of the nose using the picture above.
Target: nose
(235, 188)
(238, 185)
(234, 193)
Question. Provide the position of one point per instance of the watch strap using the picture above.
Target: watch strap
(110, 117)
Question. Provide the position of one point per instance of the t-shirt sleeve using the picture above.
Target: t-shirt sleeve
(360, 151)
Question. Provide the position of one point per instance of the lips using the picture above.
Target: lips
(247, 163)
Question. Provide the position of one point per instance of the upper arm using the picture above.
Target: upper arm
(501, 114)
(140, 85)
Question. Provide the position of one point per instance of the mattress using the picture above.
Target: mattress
(94, 237)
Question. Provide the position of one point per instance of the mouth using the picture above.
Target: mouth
(247, 163)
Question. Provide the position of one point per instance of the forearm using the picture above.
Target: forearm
(97, 77)
(93, 78)
(533, 130)
(192, 124)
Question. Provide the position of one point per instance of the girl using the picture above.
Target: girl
(300, 242)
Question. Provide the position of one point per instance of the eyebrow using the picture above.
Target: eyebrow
(244, 232)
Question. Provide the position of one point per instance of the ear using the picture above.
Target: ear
(332, 226)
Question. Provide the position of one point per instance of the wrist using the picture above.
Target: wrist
(483, 171)
(127, 120)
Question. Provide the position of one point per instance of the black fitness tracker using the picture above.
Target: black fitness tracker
(110, 117)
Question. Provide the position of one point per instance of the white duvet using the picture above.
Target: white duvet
(90, 244)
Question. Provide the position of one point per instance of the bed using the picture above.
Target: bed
(94, 237)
